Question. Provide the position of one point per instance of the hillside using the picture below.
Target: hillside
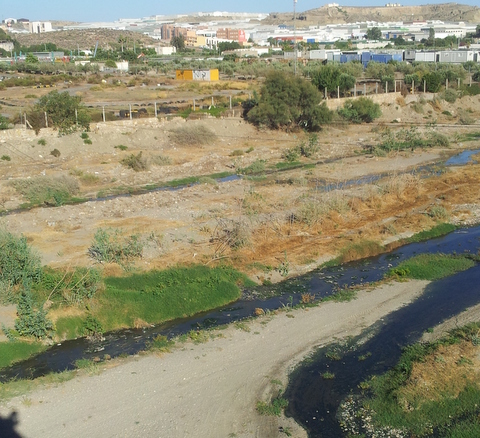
(348, 14)
(86, 38)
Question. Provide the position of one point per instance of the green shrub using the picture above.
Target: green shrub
(450, 95)
(31, 321)
(257, 166)
(92, 327)
(55, 153)
(42, 142)
(3, 123)
(275, 407)
(360, 110)
(111, 246)
(137, 162)
(6, 157)
(290, 155)
(84, 136)
(121, 147)
(18, 262)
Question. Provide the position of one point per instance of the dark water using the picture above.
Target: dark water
(320, 283)
(313, 401)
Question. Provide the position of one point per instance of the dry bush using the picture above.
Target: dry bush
(194, 135)
(400, 101)
(230, 234)
(136, 162)
(398, 184)
(314, 210)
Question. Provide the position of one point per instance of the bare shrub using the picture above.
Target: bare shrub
(230, 234)
(160, 160)
(397, 184)
(194, 135)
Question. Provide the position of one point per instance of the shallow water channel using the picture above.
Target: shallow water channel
(321, 283)
(314, 400)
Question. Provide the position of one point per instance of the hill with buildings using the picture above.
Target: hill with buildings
(337, 14)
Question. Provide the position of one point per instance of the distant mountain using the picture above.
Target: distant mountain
(349, 14)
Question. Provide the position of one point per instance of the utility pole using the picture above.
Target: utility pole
(294, 39)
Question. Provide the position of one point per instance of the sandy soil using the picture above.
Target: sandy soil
(204, 390)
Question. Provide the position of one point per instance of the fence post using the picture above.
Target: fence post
(424, 86)
(76, 117)
(413, 86)
(155, 109)
(395, 86)
(212, 101)
(338, 92)
(193, 105)
(458, 85)
(386, 87)
(46, 120)
(230, 101)
(25, 116)
(364, 89)
(103, 113)
(376, 87)
(446, 84)
(130, 110)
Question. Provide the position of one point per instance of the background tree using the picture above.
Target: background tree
(178, 42)
(122, 40)
(288, 102)
(330, 77)
(374, 33)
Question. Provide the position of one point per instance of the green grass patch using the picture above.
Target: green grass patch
(282, 165)
(69, 327)
(158, 296)
(431, 266)
(437, 231)
(11, 352)
(48, 190)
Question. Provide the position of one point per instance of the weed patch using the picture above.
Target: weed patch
(196, 135)
(431, 266)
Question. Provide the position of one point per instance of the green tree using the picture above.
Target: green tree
(374, 33)
(64, 111)
(289, 102)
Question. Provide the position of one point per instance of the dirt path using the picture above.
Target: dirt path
(205, 390)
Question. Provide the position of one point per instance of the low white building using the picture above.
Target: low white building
(169, 50)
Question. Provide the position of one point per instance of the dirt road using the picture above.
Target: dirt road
(205, 390)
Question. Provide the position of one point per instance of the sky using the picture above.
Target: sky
(112, 10)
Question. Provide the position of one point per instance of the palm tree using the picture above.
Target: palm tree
(122, 40)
